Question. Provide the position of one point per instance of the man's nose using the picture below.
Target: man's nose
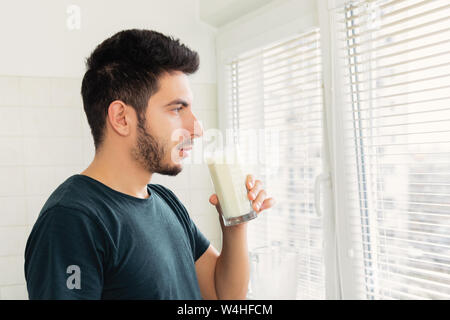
(197, 128)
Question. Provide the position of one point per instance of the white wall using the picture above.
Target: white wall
(37, 42)
(44, 137)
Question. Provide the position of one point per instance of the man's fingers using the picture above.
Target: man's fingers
(213, 200)
(253, 193)
(268, 203)
(259, 200)
(250, 181)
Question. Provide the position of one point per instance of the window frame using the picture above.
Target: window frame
(333, 92)
(350, 286)
(340, 266)
(224, 56)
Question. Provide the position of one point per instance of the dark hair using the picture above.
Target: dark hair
(126, 67)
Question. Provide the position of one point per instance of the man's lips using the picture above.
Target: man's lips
(183, 150)
(185, 146)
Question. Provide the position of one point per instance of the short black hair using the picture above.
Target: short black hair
(126, 67)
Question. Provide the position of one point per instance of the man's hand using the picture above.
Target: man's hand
(255, 193)
(230, 270)
(258, 196)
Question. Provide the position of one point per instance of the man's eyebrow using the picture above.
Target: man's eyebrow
(177, 101)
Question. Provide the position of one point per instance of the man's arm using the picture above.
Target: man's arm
(226, 275)
(205, 268)
(64, 256)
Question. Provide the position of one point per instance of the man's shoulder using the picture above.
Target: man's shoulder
(160, 189)
(167, 195)
(171, 199)
(72, 195)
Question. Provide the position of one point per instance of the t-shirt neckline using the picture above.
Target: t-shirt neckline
(121, 194)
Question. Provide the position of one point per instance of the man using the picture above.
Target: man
(107, 233)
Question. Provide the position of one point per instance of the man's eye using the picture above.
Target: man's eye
(177, 109)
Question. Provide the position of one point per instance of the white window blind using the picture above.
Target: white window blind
(275, 107)
(396, 85)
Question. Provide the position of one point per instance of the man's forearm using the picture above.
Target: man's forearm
(232, 267)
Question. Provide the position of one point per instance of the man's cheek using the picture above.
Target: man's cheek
(179, 135)
(175, 156)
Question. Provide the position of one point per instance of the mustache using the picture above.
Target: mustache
(186, 143)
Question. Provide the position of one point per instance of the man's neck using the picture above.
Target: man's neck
(119, 174)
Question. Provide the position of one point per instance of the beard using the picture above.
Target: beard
(151, 154)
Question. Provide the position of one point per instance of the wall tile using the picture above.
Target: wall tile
(39, 180)
(200, 202)
(13, 211)
(11, 122)
(43, 180)
(17, 292)
(200, 177)
(12, 270)
(12, 152)
(209, 225)
(66, 92)
(12, 181)
(64, 172)
(9, 91)
(12, 240)
(53, 151)
(51, 121)
(35, 91)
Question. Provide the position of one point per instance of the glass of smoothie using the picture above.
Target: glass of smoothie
(225, 168)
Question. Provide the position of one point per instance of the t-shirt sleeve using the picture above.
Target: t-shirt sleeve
(64, 256)
(201, 243)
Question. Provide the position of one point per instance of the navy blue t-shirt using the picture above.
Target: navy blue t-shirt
(93, 242)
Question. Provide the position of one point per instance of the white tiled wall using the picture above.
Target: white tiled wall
(45, 138)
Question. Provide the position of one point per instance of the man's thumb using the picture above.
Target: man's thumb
(214, 200)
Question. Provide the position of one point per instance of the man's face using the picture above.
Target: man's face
(169, 127)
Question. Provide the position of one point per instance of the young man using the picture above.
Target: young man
(107, 233)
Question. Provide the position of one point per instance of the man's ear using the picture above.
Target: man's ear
(119, 117)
